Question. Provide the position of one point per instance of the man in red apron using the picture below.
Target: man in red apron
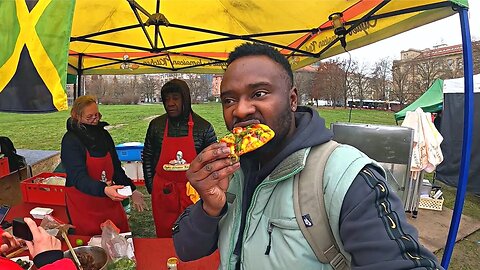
(173, 140)
(94, 172)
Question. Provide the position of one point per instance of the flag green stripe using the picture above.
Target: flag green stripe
(9, 30)
(59, 15)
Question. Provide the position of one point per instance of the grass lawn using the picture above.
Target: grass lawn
(129, 123)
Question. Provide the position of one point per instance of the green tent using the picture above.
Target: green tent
(430, 101)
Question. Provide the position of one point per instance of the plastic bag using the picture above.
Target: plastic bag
(53, 226)
(118, 249)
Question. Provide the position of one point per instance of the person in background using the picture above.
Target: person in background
(94, 172)
(179, 132)
(255, 226)
(44, 249)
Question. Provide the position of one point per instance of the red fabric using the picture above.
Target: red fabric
(7, 264)
(152, 254)
(63, 264)
(88, 212)
(169, 194)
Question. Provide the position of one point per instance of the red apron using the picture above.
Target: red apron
(88, 212)
(169, 194)
(7, 264)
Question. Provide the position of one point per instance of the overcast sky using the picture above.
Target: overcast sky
(445, 31)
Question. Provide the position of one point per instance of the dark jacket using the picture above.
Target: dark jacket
(203, 133)
(97, 141)
(364, 235)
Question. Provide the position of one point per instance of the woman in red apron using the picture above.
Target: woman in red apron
(94, 172)
(172, 142)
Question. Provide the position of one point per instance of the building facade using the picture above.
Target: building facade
(417, 69)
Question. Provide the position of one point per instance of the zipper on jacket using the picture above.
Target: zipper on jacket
(253, 201)
(254, 198)
(269, 246)
(234, 229)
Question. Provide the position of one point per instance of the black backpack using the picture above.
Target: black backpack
(15, 161)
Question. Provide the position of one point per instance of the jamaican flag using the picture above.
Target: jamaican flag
(34, 40)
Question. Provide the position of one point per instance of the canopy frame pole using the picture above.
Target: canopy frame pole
(467, 136)
(134, 7)
(163, 43)
(75, 85)
(157, 27)
(80, 89)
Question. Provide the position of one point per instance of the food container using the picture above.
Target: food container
(40, 212)
(34, 191)
(95, 257)
(130, 151)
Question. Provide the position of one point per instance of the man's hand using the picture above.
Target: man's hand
(111, 192)
(9, 243)
(42, 241)
(209, 173)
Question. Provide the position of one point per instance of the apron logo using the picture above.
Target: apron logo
(177, 164)
(307, 220)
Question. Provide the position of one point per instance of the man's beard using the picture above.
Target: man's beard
(285, 121)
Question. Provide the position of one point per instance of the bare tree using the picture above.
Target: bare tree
(330, 82)
(348, 66)
(148, 86)
(382, 78)
(304, 81)
(428, 71)
(360, 81)
(400, 74)
(200, 87)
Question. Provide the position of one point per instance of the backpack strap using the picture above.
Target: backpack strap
(310, 209)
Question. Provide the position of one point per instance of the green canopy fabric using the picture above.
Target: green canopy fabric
(430, 101)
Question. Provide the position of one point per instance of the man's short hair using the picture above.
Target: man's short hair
(249, 49)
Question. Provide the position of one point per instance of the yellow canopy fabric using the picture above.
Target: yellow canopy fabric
(153, 36)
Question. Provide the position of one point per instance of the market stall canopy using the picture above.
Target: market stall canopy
(430, 101)
(148, 36)
(153, 36)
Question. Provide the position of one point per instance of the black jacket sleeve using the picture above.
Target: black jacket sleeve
(195, 233)
(148, 157)
(374, 228)
(119, 176)
(209, 137)
(47, 257)
(73, 155)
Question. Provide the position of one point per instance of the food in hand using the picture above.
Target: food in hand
(247, 139)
